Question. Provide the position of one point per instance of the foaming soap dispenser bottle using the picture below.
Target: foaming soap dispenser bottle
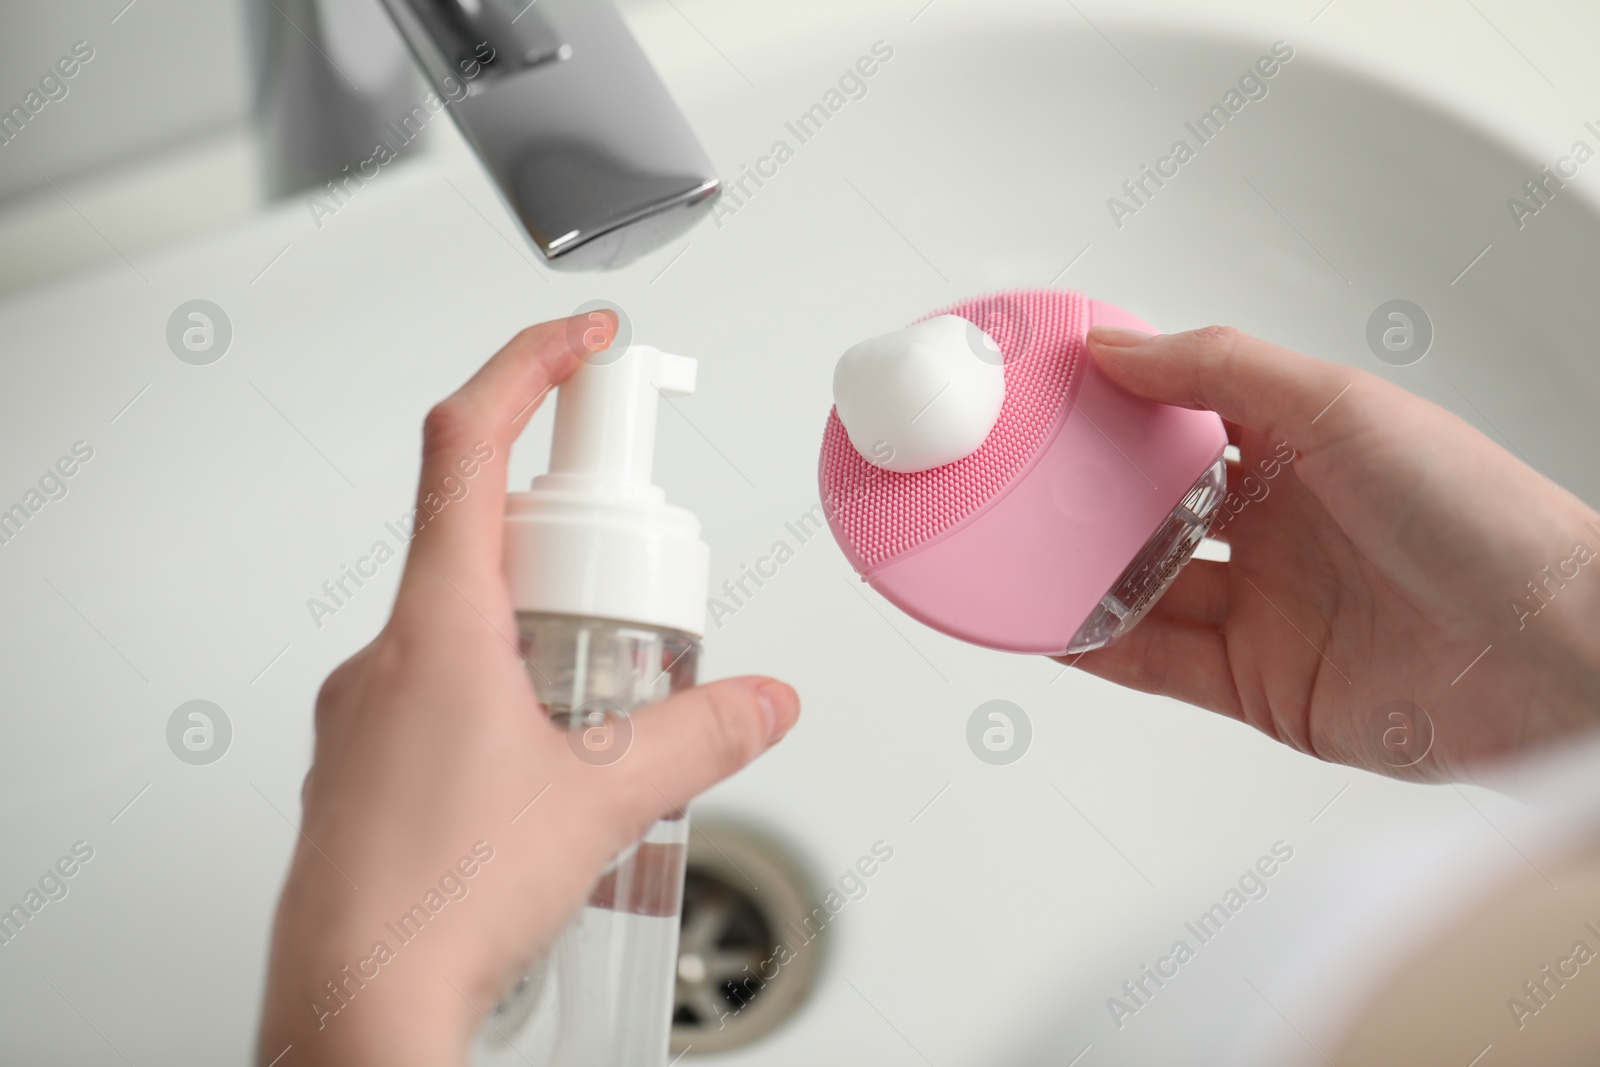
(609, 585)
(983, 474)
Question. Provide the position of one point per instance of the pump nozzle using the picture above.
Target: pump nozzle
(595, 537)
(606, 417)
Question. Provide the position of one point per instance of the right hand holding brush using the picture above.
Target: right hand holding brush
(1382, 551)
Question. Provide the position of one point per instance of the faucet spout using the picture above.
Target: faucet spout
(585, 145)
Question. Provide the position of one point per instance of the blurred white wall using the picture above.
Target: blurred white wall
(150, 143)
(165, 72)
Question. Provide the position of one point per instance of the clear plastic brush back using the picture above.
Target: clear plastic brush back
(603, 996)
(1157, 564)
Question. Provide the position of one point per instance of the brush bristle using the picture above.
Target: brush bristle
(878, 514)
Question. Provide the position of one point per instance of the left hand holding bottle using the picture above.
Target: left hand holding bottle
(431, 750)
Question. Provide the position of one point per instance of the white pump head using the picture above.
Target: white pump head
(595, 537)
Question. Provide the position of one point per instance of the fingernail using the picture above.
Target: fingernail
(780, 706)
(1117, 337)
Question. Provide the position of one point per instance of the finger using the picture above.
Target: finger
(341, 685)
(466, 440)
(694, 739)
(1186, 662)
(1247, 381)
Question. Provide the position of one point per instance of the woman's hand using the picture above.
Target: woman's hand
(1382, 551)
(431, 751)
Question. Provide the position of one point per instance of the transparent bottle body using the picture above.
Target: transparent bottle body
(1156, 565)
(603, 996)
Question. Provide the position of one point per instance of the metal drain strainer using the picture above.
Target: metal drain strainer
(747, 958)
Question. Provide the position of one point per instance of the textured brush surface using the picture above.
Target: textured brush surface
(880, 514)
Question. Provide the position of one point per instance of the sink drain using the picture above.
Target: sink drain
(746, 958)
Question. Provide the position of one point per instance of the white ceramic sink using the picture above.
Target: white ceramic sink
(981, 157)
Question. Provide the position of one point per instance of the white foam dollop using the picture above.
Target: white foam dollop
(920, 397)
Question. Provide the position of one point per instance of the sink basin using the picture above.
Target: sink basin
(981, 156)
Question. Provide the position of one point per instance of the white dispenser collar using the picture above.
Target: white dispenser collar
(595, 537)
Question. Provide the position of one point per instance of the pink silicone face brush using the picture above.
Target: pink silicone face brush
(994, 484)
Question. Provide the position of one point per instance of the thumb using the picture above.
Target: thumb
(1249, 382)
(694, 739)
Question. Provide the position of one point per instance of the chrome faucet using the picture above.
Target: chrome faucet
(575, 127)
